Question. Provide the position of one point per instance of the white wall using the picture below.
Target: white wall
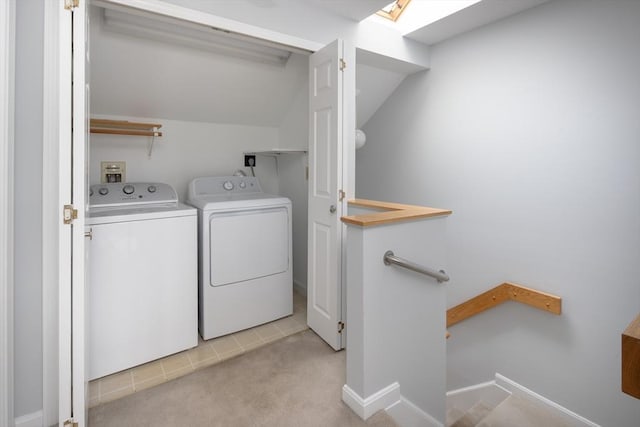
(185, 151)
(388, 308)
(293, 182)
(28, 207)
(528, 129)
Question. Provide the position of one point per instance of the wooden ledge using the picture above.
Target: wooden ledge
(505, 292)
(631, 359)
(124, 127)
(389, 213)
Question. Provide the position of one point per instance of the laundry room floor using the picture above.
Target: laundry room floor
(207, 353)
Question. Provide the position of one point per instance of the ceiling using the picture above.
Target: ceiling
(138, 76)
(467, 19)
(356, 10)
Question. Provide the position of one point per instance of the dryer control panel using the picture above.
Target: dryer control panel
(131, 193)
(215, 185)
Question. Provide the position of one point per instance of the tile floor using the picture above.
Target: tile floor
(207, 353)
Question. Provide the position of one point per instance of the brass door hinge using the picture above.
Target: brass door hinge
(71, 4)
(69, 214)
(341, 195)
(343, 64)
(71, 423)
(340, 327)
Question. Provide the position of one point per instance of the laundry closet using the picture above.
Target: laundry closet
(218, 104)
(216, 99)
(206, 99)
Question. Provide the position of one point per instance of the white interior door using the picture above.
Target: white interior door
(325, 232)
(80, 139)
(73, 139)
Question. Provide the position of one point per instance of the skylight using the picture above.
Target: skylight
(418, 14)
(393, 10)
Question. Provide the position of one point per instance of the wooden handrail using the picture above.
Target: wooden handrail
(389, 213)
(631, 359)
(502, 293)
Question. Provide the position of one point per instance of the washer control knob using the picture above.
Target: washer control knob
(103, 191)
(90, 192)
(151, 189)
(128, 189)
(243, 184)
(227, 185)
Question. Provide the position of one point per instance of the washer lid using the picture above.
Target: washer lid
(138, 213)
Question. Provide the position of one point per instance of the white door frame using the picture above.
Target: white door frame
(7, 64)
(62, 177)
(57, 237)
(73, 118)
(204, 18)
(348, 163)
(79, 194)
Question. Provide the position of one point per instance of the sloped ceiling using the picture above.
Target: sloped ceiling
(133, 76)
(142, 77)
(472, 17)
(373, 86)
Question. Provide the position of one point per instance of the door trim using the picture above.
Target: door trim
(7, 64)
(50, 214)
(348, 163)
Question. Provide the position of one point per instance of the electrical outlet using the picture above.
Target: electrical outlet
(113, 171)
(249, 160)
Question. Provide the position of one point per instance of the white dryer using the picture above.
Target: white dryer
(142, 275)
(244, 244)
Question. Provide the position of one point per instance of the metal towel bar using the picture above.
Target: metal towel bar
(389, 258)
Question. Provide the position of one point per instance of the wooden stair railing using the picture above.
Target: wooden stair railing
(631, 359)
(502, 293)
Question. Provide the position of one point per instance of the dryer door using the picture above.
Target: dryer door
(247, 245)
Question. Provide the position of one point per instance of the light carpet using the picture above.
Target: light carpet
(296, 381)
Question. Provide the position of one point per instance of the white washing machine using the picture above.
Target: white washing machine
(244, 242)
(142, 275)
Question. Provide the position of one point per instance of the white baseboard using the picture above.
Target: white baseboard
(494, 392)
(33, 419)
(516, 389)
(406, 414)
(364, 408)
(300, 287)
(464, 398)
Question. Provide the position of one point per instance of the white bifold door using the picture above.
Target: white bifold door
(331, 130)
(73, 132)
